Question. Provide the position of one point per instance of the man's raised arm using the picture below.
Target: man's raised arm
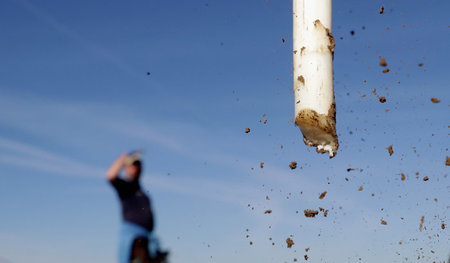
(116, 166)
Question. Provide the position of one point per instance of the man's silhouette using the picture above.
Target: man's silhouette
(137, 216)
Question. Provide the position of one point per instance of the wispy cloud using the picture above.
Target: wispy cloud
(20, 154)
(64, 30)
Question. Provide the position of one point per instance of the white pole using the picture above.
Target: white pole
(315, 108)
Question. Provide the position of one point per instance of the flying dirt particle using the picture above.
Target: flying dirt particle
(386, 70)
(289, 242)
(268, 211)
(382, 99)
(352, 32)
(383, 62)
(265, 121)
(443, 226)
(295, 259)
(283, 40)
(420, 64)
(426, 178)
(293, 165)
(350, 169)
(403, 176)
(307, 249)
(382, 10)
(346, 179)
(148, 73)
(247, 130)
(435, 100)
(360, 188)
(383, 222)
(261, 165)
(390, 150)
(267, 197)
(421, 223)
(306, 257)
(251, 243)
(310, 212)
(447, 161)
(322, 195)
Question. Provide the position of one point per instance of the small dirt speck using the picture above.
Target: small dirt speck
(306, 257)
(293, 165)
(247, 130)
(289, 242)
(420, 64)
(381, 10)
(322, 195)
(386, 70)
(390, 150)
(435, 100)
(283, 40)
(403, 176)
(268, 211)
(261, 165)
(426, 178)
(383, 62)
(360, 188)
(421, 223)
(447, 161)
(383, 222)
(382, 99)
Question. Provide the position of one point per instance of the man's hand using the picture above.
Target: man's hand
(116, 166)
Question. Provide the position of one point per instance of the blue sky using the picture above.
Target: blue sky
(74, 94)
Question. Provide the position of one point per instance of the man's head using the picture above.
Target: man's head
(133, 168)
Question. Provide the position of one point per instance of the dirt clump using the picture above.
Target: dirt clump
(381, 10)
(289, 242)
(383, 62)
(382, 99)
(435, 100)
(403, 177)
(306, 257)
(261, 165)
(268, 211)
(426, 178)
(322, 195)
(447, 161)
(293, 165)
(360, 188)
(386, 70)
(390, 150)
(383, 222)
(247, 130)
(310, 212)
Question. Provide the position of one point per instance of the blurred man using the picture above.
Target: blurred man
(137, 216)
